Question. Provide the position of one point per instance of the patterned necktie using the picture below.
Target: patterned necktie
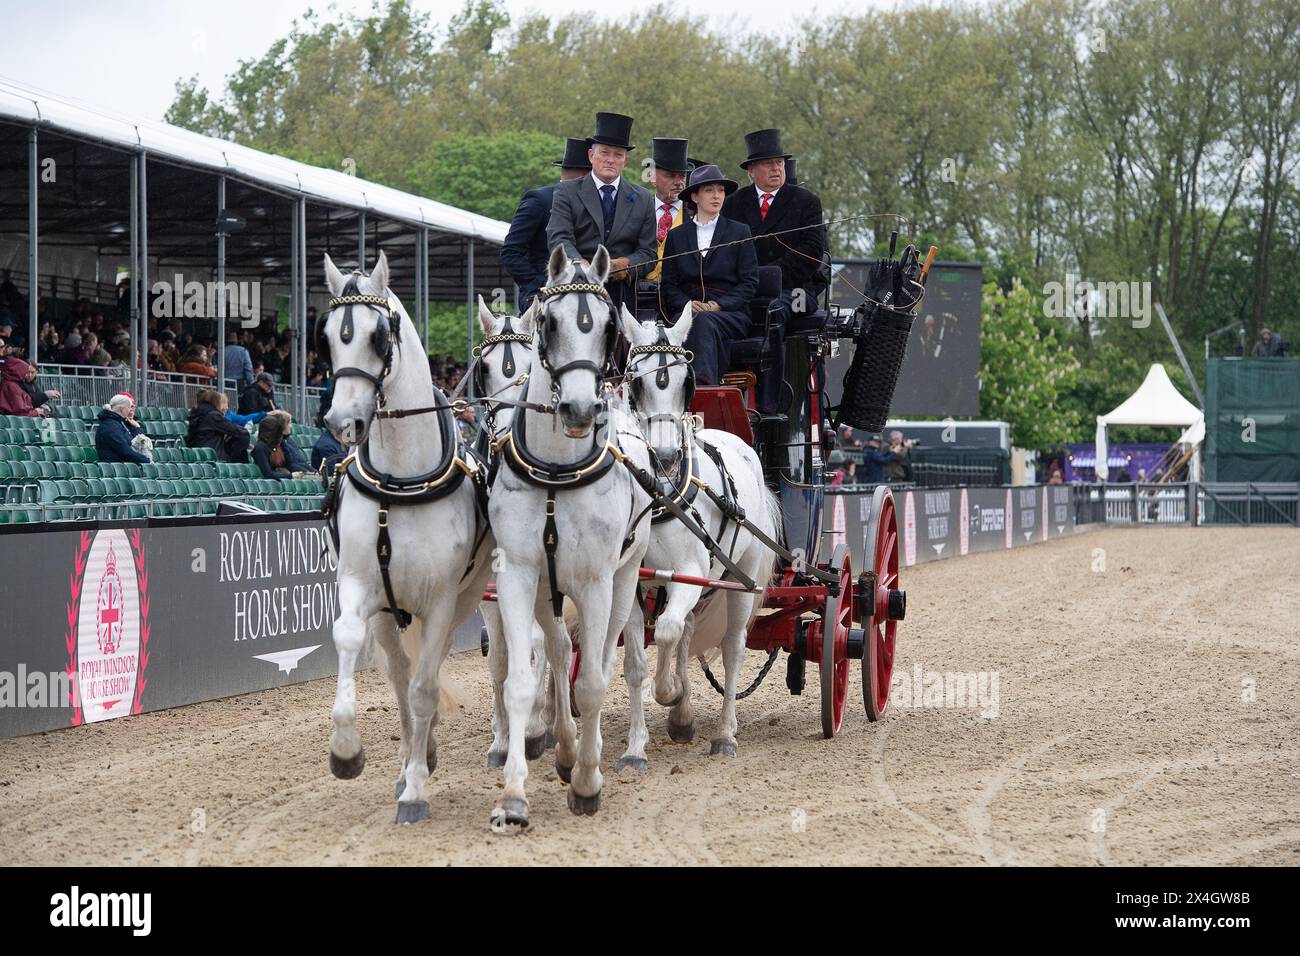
(762, 209)
(607, 204)
(665, 223)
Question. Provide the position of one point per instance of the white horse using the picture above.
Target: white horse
(659, 383)
(505, 356)
(565, 513)
(438, 548)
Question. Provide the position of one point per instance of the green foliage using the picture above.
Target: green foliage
(487, 174)
(1026, 370)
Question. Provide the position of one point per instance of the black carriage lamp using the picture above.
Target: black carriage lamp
(228, 224)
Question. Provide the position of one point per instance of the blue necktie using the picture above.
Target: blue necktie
(607, 203)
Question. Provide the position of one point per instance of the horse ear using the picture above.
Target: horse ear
(557, 264)
(632, 329)
(528, 321)
(379, 278)
(600, 265)
(333, 278)
(485, 317)
(678, 333)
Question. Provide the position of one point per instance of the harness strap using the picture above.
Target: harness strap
(551, 542)
(384, 552)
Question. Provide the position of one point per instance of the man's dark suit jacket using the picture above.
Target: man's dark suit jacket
(578, 221)
(525, 250)
(793, 207)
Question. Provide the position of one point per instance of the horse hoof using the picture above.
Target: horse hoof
(534, 747)
(550, 741)
(496, 759)
(583, 806)
(638, 764)
(347, 768)
(510, 816)
(725, 747)
(412, 812)
(566, 773)
(682, 733)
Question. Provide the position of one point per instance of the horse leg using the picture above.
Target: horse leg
(433, 637)
(670, 681)
(739, 608)
(516, 595)
(634, 668)
(559, 656)
(594, 602)
(398, 666)
(538, 725)
(682, 714)
(347, 756)
(548, 707)
(497, 664)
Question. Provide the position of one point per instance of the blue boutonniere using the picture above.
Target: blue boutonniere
(631, 197)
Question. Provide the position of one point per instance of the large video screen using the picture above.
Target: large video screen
(940, 374)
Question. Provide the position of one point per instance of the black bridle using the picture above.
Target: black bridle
(388, 329)
(583, 287)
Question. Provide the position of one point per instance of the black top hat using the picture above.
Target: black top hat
(696, 162)
(612, 129)
(670, 154)
(708, 173)
(575, 155)
(764, 144)
(791, 177)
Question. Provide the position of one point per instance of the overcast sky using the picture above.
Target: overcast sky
(128, 54)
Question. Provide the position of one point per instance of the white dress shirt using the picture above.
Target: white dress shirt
(769, 192)
(596, 179)
(660, 206)
(704, 233)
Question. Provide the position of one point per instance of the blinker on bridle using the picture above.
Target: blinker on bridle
(381, 340)
(585, 324)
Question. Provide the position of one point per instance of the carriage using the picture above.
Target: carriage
(816, 609)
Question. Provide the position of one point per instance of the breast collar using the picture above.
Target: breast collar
(445, 477)
(513, 447)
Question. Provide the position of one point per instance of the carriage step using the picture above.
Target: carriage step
(795, 667)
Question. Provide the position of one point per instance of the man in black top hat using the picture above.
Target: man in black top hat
(670, 168)
(604, 209)
(525, 251)
(771, 204)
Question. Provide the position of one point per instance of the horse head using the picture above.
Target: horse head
(362, 329)
(504, 356)
(659, 381)
(576, 333)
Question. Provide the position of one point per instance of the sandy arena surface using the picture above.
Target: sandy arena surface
(1147, 714)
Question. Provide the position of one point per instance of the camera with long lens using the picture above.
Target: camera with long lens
(879, 328)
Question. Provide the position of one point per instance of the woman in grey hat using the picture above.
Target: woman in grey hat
(710, 267)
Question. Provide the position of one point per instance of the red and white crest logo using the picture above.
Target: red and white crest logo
(108, 619)
(109, 612)
(909, 529)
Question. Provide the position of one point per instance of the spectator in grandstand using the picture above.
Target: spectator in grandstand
(874, 459)
(14, 399)
(209, 428)
(99, 361)
(117, 429)
(1055, 477)
(48, 349)
(899, 469)
(258, 397)
(196, 363)
(269, 453)
(295, 455)
(170, 357)
(74, 353)
(326, 399)
(239, 364)
(39, 397)
(1270, 345)
(327, 451)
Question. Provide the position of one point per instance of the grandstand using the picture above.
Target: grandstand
(49, 471)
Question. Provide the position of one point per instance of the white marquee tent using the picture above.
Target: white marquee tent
(1156, 402)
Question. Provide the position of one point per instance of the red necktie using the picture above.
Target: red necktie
(762, 209)
(665, 223)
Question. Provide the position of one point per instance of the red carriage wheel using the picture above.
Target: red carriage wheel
(834, 664)
(883, 607)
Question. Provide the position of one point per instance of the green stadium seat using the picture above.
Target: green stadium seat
(96, 489)
(204, 454)
(80, 489)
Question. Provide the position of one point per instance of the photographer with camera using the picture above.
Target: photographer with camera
(899, 469)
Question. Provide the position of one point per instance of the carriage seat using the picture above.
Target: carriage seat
(758, 349)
